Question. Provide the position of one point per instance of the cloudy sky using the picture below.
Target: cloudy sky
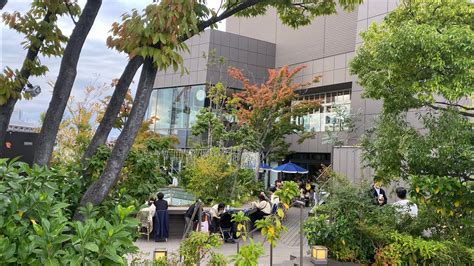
(98, 64)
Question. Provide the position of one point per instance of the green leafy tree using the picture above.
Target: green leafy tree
(77, 128)
(421, 51)
(42, 37)
(420, 57)
(213, 178)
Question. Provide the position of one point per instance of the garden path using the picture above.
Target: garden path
(288, 244)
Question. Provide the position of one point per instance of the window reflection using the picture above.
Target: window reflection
(335, 108)
(175, 108)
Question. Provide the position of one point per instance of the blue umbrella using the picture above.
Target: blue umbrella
(290, 168)
(265, 166)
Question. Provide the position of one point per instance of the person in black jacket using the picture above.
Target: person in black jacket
(161, 219)
(160, 203)
(378, 194)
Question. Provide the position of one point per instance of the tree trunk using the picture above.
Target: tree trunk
(6, 110)
(99, 190)
(113, 107)
(3, 3)
(64, 83)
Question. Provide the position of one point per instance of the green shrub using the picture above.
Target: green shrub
(212, 178)
(141, 175)
(36, 227)
(218, 259)
(349, 224)
(197, 246)
(248, 255)
(408, 250)
(354, 229)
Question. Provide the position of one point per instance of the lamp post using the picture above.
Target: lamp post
(301, 204)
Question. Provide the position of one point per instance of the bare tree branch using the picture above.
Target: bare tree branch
(445, 109)
(456, 105)
(70, 12)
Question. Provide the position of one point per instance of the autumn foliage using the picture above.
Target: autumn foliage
(268, 108)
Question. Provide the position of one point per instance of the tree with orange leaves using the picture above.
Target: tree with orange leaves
(267, 109)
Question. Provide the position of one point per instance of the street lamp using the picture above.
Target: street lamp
(319, 255)
(160, 253)
(301, 204)
(33, 91)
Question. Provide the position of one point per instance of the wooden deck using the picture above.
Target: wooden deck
(292, 222)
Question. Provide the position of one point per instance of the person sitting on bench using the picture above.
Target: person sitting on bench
(216, 212)
(263, 209)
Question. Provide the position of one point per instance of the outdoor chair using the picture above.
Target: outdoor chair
(146, 222)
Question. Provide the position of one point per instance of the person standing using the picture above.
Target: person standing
(403, 205)
(378, 194)
(161, 220)
(160, 203)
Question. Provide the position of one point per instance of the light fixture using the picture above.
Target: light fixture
(319, 255)
(33, 91)
(160, 253)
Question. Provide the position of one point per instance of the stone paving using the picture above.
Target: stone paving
(288, 244)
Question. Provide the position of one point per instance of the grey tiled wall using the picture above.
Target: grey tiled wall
(193, 61)
(371, 11)
(252, 55)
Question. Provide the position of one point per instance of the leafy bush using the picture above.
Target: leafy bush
(449, 205)
(248, 255)
(356, 230)
(349, 224)
(141, 175)
(35, 225)
(408, 250)
(212, 178)
(198, 246)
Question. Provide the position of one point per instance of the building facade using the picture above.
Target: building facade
(255, 44)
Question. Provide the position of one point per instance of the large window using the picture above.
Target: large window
(331, 116)
(176, 108)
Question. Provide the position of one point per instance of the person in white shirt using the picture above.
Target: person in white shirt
(274, 199)
(216, 212)
(404, 206)
(262, 208)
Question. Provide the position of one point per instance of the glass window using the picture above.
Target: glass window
(163, 108)
(151, 113)
(331, 115)
(179, 106)
(196, 102)
(175, 108)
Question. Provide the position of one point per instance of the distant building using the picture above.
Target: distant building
(256, 44)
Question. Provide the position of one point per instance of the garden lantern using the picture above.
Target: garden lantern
(319, 255)
(160, 253)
